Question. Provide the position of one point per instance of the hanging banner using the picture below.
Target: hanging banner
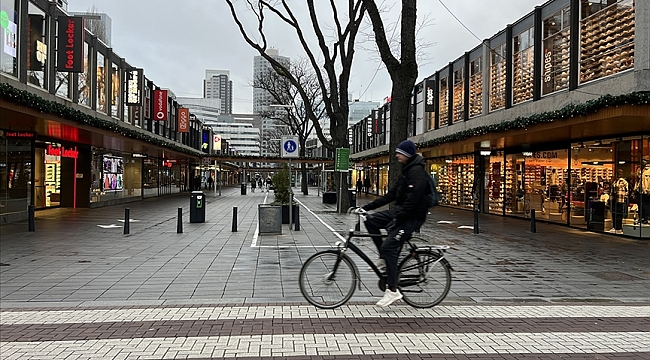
(134, 87)
(429, 98)
(70, 46)
(216, 143)
(183, 120)
(160, 105)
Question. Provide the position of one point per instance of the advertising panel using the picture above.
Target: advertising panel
(70, 47)
(112, 173)
(216, 143)
(160, 105)
(183, 120)
(36, 48)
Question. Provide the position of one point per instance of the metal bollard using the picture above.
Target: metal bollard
(179, 223)
(127, 215)
(533, 228)
(234, 219)
(475, 221)
(30, 209)
(297, 216)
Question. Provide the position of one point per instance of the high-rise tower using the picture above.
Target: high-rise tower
(261, 98)
(217, 85)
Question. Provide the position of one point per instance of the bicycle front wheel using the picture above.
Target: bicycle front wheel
(424, 279)
(328, 279)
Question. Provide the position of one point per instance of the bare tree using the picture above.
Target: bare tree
(402, 68)
(294, 115)
(333, 73)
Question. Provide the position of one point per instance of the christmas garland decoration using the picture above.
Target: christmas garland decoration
(568, 111)
(34, 101)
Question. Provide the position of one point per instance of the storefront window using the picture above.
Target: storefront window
(476, 87)
(495, 184)
(523, 47)
(9, 55)
(555, 73)
(116, 91)
(150, 177)
(455, 180)
(444, 101)
(37, 43)
(606, 38)
(101, 83)
(15, 176)
(459, 95)
(609, 191)
(498, 77)
(85, 80)
(114, 176)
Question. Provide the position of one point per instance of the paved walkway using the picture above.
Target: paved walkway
(75, 289)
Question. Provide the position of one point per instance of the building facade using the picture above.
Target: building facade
(217, 85)
(551, 115)
(82, 127)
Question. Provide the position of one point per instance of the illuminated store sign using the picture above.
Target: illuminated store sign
(70, 49)
(18, 134)
(62, 152)
(429, 95)
(134, 87)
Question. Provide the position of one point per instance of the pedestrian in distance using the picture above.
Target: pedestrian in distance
(359, 185)
(210, 182)
(366, 185)
(410, 197)
(253, 185)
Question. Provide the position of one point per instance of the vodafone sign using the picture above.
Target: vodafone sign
(160, 105)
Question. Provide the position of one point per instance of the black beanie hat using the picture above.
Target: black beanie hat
(406, 148)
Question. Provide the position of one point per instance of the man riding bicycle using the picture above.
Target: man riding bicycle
(410, 196)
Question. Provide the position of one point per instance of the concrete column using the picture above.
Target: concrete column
(486, 77)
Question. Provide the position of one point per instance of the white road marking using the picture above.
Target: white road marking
(466, 227)
(111, 226)
(445, 222)
(130, 220)
(308, 311)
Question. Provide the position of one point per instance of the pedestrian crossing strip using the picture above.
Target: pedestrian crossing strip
(211, 332)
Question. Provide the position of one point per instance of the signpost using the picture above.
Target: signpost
(341, 164)
(289, 151)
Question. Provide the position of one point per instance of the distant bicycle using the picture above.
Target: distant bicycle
(329, 278)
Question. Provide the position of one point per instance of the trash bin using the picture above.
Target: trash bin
(353, 197)
(243, 188)
(197, 207)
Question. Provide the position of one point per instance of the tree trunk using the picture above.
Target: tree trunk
(304, 183)
(399, 117)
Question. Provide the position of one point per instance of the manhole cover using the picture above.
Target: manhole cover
(614, 276)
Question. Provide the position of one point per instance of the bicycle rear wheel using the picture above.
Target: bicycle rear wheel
(423, 280)
(328, 279)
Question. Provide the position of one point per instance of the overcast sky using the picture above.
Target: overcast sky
(175, 41)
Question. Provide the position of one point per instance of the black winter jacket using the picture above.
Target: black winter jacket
(410, 192)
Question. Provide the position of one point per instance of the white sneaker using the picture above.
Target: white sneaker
(389, 298)
(619, 231)
(612, 230)
(380, 264)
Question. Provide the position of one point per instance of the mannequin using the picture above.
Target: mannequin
(620, 201)
(643, 187)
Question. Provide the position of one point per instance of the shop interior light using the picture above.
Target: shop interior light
(486, 152)
(527, 153)
(448, 161)
(621, 162)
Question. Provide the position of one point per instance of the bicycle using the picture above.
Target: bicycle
(329, 278)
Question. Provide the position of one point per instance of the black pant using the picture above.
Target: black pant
(618, 214)
(389, 248)
(645, 208)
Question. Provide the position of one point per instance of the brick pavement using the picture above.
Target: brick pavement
(75, 290)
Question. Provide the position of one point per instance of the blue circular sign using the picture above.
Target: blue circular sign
(290, 146)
